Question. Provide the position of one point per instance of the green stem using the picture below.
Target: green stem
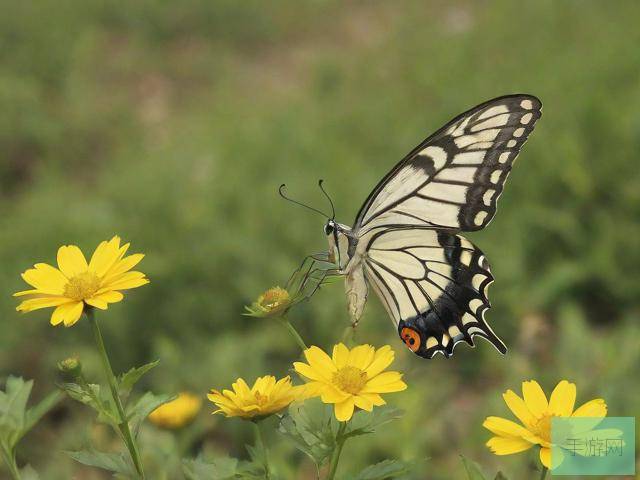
(293, 332)
(543, 475)
(263, 446)
(113, 385)
(10, 461)
(335, 457)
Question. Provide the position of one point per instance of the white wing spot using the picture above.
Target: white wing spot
(473, 330)
(526, 104)
(431, 342)
(488, 196)
(437, 154)
(480, 216)
(445, 339)
(504, 157)
(468, 318)
(477, 280)
(454, 331)
(511, 143)
(474, 305)
(526, 118)
(457, 174)
(469, 157)
(495, 176)
(465, 257)
(497, 121)
(518, 132)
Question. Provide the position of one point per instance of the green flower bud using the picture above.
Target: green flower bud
(70, 367)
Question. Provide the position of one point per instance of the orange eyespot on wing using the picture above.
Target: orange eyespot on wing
(411, 338)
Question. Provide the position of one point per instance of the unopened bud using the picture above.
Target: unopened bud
(70, 367)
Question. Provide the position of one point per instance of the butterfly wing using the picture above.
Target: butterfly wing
(434, 286)
(453, 178)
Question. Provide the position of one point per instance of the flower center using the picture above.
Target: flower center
(350, 379)
(542, 427)
(274, 298)
(82, 286)
(261, 399)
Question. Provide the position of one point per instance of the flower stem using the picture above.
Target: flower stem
(263, 446)
(113, 385)
(335, 457)
(543, 475)
(293, 332)
(10, 462)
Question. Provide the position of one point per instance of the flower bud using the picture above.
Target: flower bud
(70, 367)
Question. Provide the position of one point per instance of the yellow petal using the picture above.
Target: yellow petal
(549, 459)
(105, 255)
(41, 302)
(505, 428)
(386, 382)
(123, 266)
(363, 402)
(127, 281)
(320, 361)
(374, 398)
(96, 302)
(340, 355)
(308, 372)
(71, 261)
(330, 394)
(593, 408)
(361, 356)
(508, 445)
(534, 398)
(109, 297)
(518, 407)
(344, 410)
(45, 278)
(563, 399)
(69, 313)
(383, 358)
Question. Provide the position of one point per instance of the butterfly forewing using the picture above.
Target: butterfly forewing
(453, 179)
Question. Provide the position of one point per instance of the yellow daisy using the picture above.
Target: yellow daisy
(351, 378)
(535, 413)
(265, 397)
(177, 413)
(76, 284)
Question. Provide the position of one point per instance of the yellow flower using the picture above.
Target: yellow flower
(535, 414)
(271, 303)
(352, 378)
(267, 396)
(76, 283)
(177, 413)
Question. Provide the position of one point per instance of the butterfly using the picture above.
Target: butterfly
(405, 243)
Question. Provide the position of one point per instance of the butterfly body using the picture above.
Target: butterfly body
(405, 242)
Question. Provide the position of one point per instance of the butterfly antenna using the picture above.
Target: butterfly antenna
(281, 192)
(333, 209)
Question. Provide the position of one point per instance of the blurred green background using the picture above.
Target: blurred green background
(173, 123)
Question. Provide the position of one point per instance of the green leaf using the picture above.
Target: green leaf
(91, 395)
(218, 469)
(13, 404)
(473, 469)
(129, 379)
(309, 426)
(385, 469)
(364, 422)
(113, 462)
(140, 410)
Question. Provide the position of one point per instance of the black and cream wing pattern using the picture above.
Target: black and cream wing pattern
(431, 280)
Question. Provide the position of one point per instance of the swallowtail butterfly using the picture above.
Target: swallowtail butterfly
(405, 242)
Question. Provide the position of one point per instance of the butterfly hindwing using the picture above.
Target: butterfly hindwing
(453, 178)
(434, 286)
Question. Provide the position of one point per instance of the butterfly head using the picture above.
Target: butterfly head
(338, 236)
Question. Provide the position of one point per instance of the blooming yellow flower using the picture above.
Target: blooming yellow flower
(535, 413)
(177, 413)
(76, 283)
(267, 396)
(271, 303)
(351, 378)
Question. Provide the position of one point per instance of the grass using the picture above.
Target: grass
(174, 124)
